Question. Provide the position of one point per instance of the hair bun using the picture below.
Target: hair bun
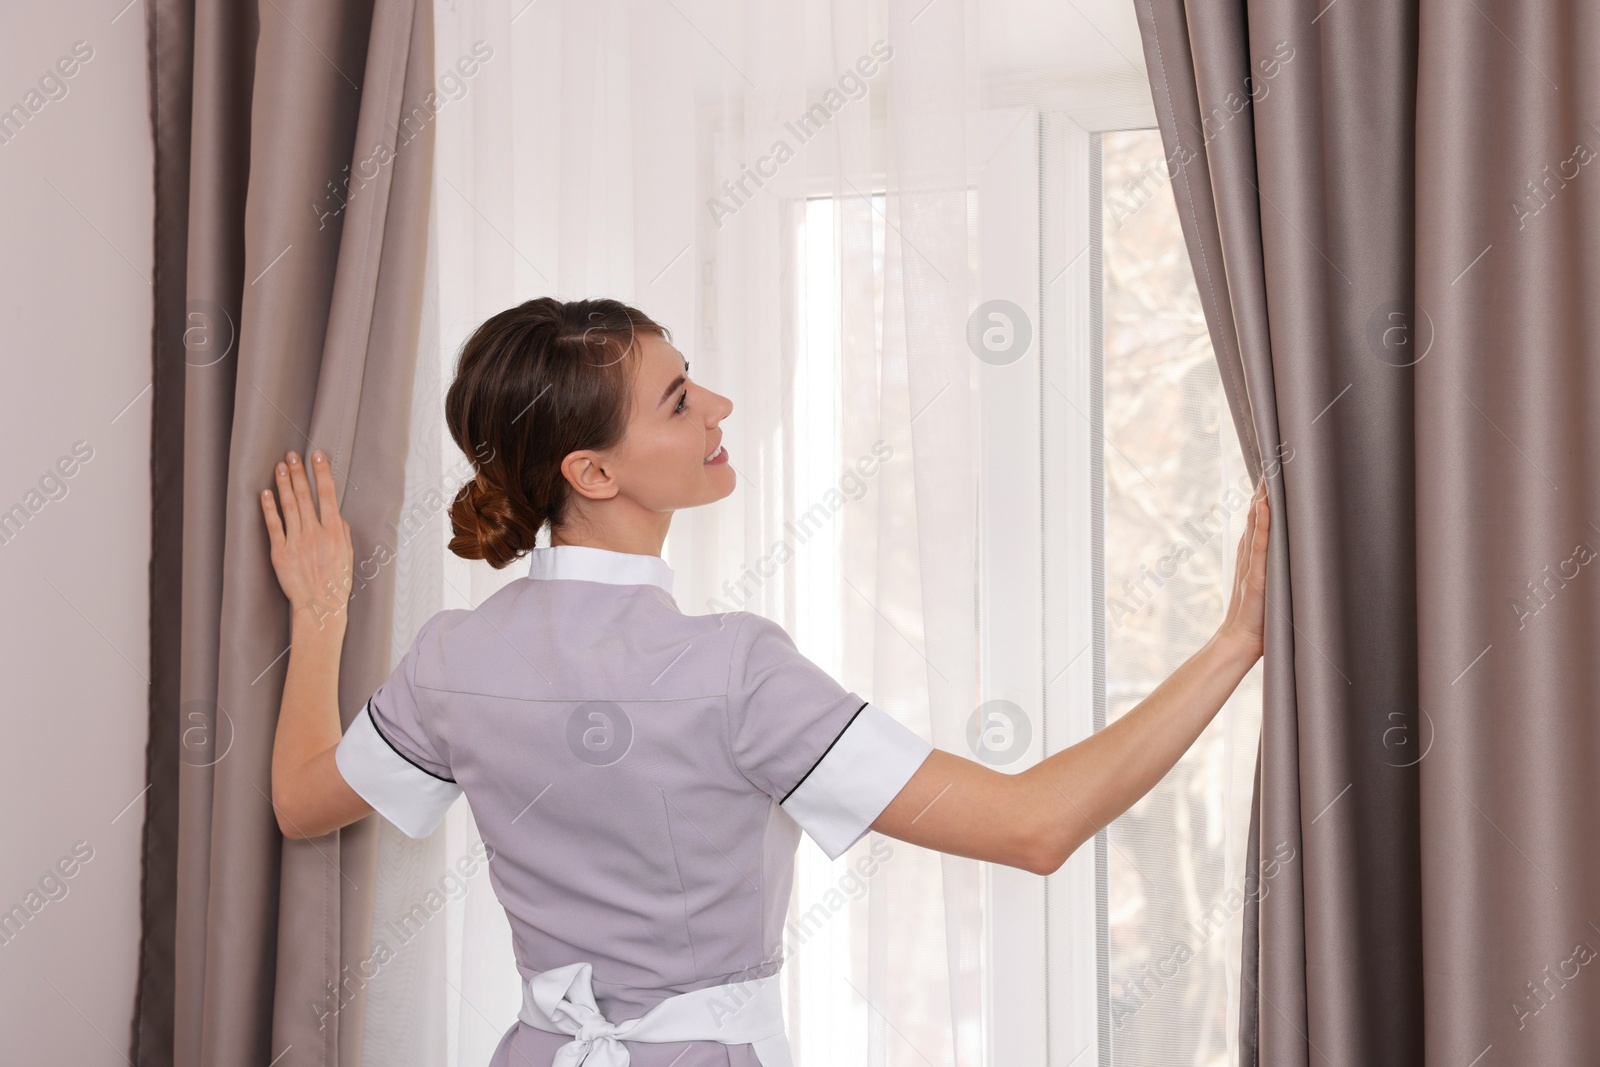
(488, 525)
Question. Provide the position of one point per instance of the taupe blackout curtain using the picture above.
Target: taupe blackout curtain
(1393, 213)
(294, 145)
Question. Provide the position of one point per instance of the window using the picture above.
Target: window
(1112, 491)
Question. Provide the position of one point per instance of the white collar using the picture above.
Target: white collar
(585, 563)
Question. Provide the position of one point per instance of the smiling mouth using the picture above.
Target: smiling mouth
(715, 456)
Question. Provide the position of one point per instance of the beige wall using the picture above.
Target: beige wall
(75, 180)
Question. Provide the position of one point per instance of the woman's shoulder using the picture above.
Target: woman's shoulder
(738, 627)
(434, 633)
(443, 622)
(751, 626)
(755, 644)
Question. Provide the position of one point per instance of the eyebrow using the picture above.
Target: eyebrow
(673, 388)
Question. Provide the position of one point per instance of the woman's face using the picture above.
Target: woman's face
(674, 427)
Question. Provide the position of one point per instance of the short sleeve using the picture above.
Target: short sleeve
(832, 760)
(388, 758)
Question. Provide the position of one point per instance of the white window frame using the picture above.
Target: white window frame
(1041, 559)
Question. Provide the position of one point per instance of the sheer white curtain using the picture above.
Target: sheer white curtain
(814, 198)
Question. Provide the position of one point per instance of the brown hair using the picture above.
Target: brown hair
(535, 383)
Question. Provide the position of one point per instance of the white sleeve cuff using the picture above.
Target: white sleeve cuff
(412, 798)
(865, 768)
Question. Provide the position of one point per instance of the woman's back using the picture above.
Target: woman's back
(640, 778)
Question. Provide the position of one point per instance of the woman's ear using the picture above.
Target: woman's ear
(586, 473)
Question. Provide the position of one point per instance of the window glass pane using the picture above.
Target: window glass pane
(1175, 495)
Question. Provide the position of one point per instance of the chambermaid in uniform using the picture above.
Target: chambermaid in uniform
(641, 777)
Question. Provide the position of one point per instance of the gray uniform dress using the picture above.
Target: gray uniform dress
(640, 778)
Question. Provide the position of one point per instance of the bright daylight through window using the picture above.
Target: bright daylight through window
(1174, 505)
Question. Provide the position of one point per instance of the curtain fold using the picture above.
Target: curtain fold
(1390, 221)
(294, 154)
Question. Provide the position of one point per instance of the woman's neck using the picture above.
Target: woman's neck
(643, 542)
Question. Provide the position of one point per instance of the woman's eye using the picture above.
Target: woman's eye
(682, 399)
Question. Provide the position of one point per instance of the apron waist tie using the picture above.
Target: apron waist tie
(561, 1001)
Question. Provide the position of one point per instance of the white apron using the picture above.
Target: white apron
(561, 1001)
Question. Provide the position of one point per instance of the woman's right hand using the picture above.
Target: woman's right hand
(1245, 621)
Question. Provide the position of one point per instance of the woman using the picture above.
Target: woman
(641, 776)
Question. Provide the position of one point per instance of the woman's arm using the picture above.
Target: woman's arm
(312, 556)
(1037, 818)
(1083, 787)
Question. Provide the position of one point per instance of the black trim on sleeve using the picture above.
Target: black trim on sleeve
(373, 719)
(825, 752)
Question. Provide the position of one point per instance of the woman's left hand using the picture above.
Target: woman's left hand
(311, 552)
